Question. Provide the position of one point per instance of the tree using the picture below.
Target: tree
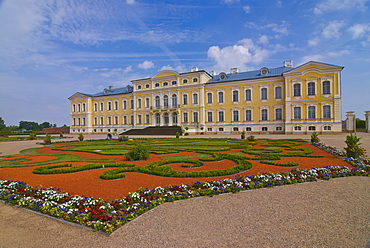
(2, 124)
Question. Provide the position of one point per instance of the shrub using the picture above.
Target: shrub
(177, 135)
(47, 139)
(81, 137)
(138, 153)
(61, 135)
(315, 137)
(32, 136)
(123, 138)
(251, 138)
(242, 135)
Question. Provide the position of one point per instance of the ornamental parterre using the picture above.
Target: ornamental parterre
(105, 216)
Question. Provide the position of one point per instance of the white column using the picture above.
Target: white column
(367, 118)
(351, 121)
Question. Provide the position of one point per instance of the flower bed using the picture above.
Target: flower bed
(107, 215)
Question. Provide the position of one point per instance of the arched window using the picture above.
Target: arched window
(174, 101)
(157, 102)
(165, 101)
(157, 119)
(185, 99)
(174, 118)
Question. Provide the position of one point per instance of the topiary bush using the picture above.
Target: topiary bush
(138, 153)
(123, 138)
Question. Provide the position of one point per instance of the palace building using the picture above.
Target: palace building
(283, 100)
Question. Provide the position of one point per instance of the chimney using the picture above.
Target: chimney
(212, 73)
(111, 87)
(234, 70)
(288, 63)
(194, 68)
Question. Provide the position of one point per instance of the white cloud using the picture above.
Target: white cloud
(314, 41)
(264, 39)
(179, 68)
(279, 3)
(360, 30)
(130, 1)
(312, 57)
(230, 1)
(279, 29)
(239, 55)
(338, 54)
(247, 9)
(334, 5)
(146, 65)
(333, 30)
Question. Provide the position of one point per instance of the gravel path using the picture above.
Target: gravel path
(332, 213)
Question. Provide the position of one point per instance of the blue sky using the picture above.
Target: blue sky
(51, 49)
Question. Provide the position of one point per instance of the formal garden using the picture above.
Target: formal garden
(103, 184)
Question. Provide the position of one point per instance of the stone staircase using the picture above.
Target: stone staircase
(160, 130)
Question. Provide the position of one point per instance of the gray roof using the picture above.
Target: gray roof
(273, 72)
(115, 91)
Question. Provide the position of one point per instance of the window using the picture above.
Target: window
(185, 117)
(326, 87)
(95, 121)
(174, 101)
(264, 129)
(174, 82)
(209, 116)
(79, 107)
(185, 81)
(209, 129)
(74, 121)
(297, 112)
(83, 107)
(278, 114)
(311, 128)
(195, 80)
(326, 112)
(157, 119)
(109, 120)
(296, 90)
(132, 120)
(195, 98)
(95, 107)
(156, 85)
(109, 106)
(132, 104)
(185, 99)
(124, 104)
(220, 129)
(235, 129)
(248, 95)
(165, 101)
(116, 120)
(139, 119)
(139, 103)
(74, 108)
(221, 116)
(278, 93)
(165, 83)
(264, 94)
(278, 128)
(79, 121)
(248, 129)
(220, 97)
(147, 119)
(139, 87)
(311, 112)
(147, 86)
(125, 120)
(297, 128)
(235, 96)
(195, 117)
(115, 105)
(327, 127)
(235, 115)
(174, 118)
(264, 116)
(157, 102)
(101, 106)
(101, 121)
(311, 89)
(209, 97)
(147, 102)
(248, 115)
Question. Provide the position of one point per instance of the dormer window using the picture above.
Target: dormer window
(174, 83)
(147, 86)
(156, 85)
(165, 84)
(195, 80)
(264, 71)
(185, 81)
(139, 87)
(222, 76)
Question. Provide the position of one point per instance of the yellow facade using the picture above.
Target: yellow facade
(278, 100)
